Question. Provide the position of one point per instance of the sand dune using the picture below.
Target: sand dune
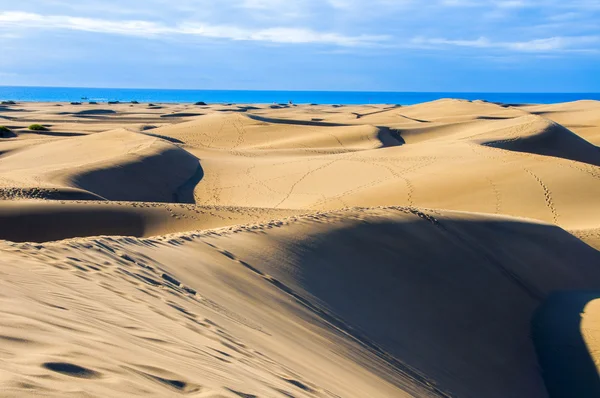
(48, 220)
(115, 165)
(540, 136)
(234, 131)
(582, 117)
(276, 309)
(445, 249)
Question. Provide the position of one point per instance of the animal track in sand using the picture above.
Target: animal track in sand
(426, 161)
(497, 195)
(547, 195)
(293, 186)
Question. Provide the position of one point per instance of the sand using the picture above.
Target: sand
(445, 249)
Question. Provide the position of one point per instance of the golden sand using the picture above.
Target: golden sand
(305, 251)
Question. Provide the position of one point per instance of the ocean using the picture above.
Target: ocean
(71, 94)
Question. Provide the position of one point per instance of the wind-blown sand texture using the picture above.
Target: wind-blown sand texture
(446, 249)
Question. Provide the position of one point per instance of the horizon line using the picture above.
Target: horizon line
(293, 90)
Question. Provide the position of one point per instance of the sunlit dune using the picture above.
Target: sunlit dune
(445, 249)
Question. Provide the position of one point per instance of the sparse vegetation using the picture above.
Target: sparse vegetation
(113, 102)
(6, 132)
(38, 127)
(8, 103)
(200, 103)
(134, 102)
(75, 103)
(93, 103)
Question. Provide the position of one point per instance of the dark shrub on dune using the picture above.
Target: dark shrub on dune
(113, 102)
(93, 103)
(134, 102)
(38, 127)
(5, 132)
(8, 103)
(200, 103)
(75, 103)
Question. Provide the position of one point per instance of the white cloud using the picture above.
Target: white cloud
(267, 4)
(481, 42)
(580, 5)
(512, 4)
(554, 44)
(149, 28)
(551, 44)
(556, 26)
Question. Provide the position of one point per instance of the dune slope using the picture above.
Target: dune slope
(321, 305)
(115, 165)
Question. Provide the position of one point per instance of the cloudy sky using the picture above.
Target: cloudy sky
(389, 45)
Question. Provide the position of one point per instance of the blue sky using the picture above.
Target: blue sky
(388, 45)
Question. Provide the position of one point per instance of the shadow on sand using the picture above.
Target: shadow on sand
(567, 367)
(389, 137)
(185, 193)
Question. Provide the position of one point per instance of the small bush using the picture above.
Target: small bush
(38, 127)
(5, 132)
(8, 103)
(134, 102)
(93, 103)
(200, 103)
(75, 103)
(113, 102)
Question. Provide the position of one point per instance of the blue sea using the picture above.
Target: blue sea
(70, 94)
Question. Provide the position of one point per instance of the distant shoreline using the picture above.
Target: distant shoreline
(169, 96)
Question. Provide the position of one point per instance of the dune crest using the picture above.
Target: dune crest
(540, 136)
